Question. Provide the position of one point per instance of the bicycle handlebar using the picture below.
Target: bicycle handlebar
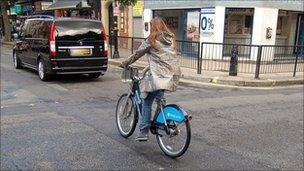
(134, 73)
(144, 74)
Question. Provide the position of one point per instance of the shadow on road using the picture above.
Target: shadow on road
(70, 78)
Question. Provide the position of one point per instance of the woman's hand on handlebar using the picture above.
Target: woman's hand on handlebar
(123, 65)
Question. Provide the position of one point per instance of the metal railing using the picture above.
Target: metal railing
(217, 57)
(281, 59)
(252, 59)
(189, 53)
(126, 45)
(187, 50)
(205, 56)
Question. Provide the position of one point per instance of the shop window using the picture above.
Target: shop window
(248, 24)
(170, 17)
(192, 33)
(172, 22)
(236, 24)
(279, 25)
(123, 20)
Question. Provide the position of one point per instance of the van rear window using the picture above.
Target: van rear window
(78, 30)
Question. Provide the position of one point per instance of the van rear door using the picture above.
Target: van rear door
(79, 38)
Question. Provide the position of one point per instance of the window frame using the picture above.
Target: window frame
(243, 25)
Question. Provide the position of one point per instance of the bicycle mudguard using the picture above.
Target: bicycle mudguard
(173, 113)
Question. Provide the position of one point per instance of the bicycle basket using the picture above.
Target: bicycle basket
(127, 74)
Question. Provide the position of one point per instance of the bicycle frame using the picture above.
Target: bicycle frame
(158, 122)
(134, 93)
(167, 121)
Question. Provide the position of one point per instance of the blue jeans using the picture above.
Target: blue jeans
(145, 117)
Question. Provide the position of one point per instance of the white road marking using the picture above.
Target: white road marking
(58, 87)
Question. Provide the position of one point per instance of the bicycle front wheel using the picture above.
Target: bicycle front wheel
(177, 142)
(126, 115)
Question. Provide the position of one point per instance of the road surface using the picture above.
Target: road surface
(69, 123)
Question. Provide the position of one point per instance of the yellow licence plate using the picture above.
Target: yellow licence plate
(80, 52)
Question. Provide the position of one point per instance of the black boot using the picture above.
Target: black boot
(143, 135)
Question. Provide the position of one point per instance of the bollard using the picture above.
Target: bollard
(296, 62)
(111, 37)
(233, 61)
(116, 52)
(258, 62)
(111, 42)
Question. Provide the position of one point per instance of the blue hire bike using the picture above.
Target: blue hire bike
(170, 123)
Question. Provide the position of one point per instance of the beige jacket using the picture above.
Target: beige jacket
(164, 65)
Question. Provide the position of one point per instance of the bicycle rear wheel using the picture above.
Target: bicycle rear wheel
(177, 143)
(126, 115)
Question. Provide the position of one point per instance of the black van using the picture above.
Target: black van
(62, 46)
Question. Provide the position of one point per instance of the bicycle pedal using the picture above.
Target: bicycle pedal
(141, 140)
(159, 134)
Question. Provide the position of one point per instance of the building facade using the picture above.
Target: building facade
(245, 22)
(256, 22)
(111, 11)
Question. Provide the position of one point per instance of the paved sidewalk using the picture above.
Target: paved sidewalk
(6, 43)
(218, 77)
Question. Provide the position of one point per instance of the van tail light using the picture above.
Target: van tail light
(104, 39)
(52, 40)
(105, 50)
(103, 33)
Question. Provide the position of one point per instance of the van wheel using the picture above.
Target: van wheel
(42, 71)
(94, 75)
(17, 62)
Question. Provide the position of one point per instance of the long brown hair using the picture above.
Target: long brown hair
(158, 26)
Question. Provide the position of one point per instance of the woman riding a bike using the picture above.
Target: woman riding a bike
(163, 71)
